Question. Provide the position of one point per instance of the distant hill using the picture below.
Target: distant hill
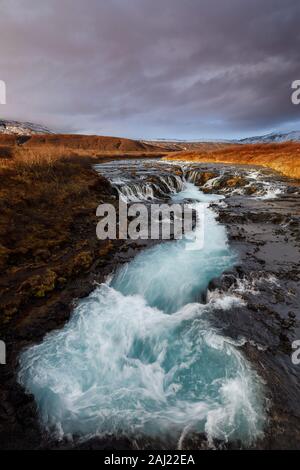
(22, 128)
(178, 145)
(34, 136)
(77, 143)
(274, 137)
(46, 136)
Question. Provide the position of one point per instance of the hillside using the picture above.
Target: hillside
(282, 157)
(55, 146)
(274, 137)
(178, 145)
(76, 141)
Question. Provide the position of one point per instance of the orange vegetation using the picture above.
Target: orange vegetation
(50, 147)
(284, 158)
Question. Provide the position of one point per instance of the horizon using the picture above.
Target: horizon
(158, 139)
(190, 72)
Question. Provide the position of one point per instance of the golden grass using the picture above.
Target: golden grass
(284, 158)
(43, 201)
(10, 156)
(48, 148)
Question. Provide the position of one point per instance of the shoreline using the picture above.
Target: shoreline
(269, 322)
(283, 158)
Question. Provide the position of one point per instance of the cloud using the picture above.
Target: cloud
(151, 68)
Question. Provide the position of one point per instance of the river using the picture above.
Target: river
(140, 356)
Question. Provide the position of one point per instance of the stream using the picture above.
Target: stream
(140, 357)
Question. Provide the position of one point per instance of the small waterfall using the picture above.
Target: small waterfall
(192, 176)
(212, 182)
(150, 181)
(159, 187)
(136, 192)
(136, 182)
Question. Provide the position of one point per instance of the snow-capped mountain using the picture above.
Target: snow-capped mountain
(22, 128)
(276, 137)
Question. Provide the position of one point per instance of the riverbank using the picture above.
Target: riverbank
(284, 158)
(264, 230)
(266, 235)
(49, 257)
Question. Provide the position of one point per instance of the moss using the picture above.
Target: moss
(81, 262)
(40, 285)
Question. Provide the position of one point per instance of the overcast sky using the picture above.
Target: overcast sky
(152, 68)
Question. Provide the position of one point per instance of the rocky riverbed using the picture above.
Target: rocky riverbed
(261, 211)
(266, 235)
(262, 214)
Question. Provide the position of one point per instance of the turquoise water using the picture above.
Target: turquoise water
(170, 275)
(139, 356)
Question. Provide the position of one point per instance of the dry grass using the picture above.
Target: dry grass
(284, 158)
(47, 226)
(46, 148)
(31, 158)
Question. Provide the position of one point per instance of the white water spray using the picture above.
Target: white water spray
(140, 358)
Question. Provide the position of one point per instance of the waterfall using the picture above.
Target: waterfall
(140, 357)
(159, 187)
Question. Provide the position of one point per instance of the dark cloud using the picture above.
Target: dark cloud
(152, 68)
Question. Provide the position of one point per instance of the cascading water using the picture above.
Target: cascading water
(162, 187)
(169, 276)
(258, 183)
(139, 356)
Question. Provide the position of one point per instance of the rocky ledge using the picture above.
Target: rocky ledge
(265, 233)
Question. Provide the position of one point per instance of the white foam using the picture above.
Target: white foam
(120, 366)
(137, 358)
